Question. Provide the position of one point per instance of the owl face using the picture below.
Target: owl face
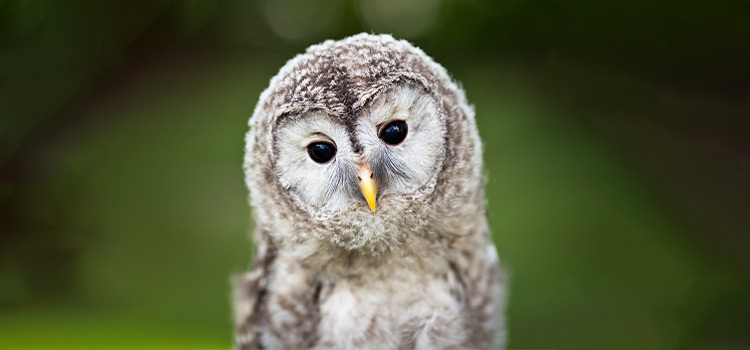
(363, 143)
(393, 147)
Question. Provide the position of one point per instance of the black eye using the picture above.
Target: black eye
(394, 133)
(321, 152)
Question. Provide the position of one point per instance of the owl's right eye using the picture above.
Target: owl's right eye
(321, 152)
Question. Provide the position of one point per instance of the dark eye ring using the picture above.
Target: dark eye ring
(321, 151)
(394, 132)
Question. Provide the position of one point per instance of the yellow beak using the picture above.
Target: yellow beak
(367, 185)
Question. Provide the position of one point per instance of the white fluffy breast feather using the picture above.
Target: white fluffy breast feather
(357, 317)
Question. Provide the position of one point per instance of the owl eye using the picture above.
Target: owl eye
(321, 152)
(394, 132)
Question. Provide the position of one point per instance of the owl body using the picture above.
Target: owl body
(364, 168)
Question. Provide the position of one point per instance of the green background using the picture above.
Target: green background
(616, 138)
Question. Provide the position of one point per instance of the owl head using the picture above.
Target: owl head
(365, 144)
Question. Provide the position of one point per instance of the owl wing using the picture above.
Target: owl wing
(292, 300)
(478, 282)
(250, 295)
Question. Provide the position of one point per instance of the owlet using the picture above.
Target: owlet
(365, 173)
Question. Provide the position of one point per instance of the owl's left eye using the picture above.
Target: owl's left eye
(321, 152)
(394, 132)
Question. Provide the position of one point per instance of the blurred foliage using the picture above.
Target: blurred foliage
(615, 144)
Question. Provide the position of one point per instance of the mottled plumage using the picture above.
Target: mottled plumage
(418, 272)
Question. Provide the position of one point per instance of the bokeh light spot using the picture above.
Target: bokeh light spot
(299, 20)
(408, 19)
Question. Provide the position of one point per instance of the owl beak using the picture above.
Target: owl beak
(367, 185)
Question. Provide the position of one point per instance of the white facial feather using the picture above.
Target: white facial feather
(401, 169)
(411, 164)
(326, 186)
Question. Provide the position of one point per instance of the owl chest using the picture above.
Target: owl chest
(390, 315)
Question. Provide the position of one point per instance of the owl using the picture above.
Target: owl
(364, 167)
